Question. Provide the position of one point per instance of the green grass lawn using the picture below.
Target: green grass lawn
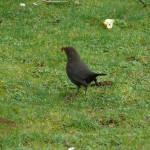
(34, 112)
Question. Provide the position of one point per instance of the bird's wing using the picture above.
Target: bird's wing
(78, 72)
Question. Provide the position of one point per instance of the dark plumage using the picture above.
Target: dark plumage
(77, 71)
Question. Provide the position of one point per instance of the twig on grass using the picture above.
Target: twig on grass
(50, 1)
(144, 5)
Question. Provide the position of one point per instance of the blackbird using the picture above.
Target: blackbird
(78, 72)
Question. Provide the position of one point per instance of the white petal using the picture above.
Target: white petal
(22, 4)
(35, 4)
(109, 23)
(71, 148)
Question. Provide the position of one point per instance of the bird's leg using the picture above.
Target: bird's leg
(85, 90)
(85, 85)
(96, 82)
(77, 90)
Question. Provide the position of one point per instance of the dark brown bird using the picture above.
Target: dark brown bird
(78, 72)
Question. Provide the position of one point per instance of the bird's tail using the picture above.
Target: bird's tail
(101, 74)
(98, 74)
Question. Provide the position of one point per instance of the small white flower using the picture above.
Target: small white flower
(109, 23)
(71, 148)
(22, 4)
(35, 4)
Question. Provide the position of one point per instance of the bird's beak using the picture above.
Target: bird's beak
(62, 48)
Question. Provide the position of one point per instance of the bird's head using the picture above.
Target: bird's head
(70, 51)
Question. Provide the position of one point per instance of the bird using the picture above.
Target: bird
(77, 71)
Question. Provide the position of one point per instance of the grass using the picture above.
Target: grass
(34, 84)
